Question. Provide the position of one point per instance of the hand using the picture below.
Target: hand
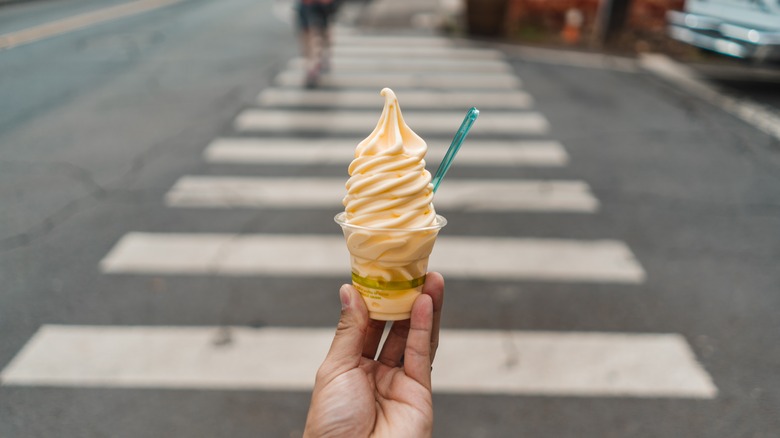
(356, 395)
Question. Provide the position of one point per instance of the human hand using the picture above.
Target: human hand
(356, 395)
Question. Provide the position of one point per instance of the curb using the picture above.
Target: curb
(757, 115)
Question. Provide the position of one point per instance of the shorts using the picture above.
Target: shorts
(315, 15)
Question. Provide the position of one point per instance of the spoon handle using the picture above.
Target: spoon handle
(446, 162)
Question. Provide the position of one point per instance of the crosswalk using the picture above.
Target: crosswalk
(428, 124)
(311, 151)
(602, 261)
(526, 195)
(179, 357)
(436, 81)
(404, 79)
(349, 65)
(413, 99)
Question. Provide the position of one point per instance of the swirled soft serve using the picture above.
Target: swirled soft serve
(389, 186)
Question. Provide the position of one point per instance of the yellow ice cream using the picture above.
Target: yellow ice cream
(389, 221)
(388, 185)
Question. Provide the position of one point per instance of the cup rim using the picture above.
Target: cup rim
(438, 224)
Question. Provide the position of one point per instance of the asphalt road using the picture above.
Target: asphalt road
(97, 125)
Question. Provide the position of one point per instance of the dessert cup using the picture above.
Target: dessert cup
(389, 265)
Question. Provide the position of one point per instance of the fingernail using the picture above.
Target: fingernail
(345, 297)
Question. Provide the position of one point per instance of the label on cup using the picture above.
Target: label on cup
(388, 300)
(378, 289)
(385, 285)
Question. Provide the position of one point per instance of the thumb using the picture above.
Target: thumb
(347, 347)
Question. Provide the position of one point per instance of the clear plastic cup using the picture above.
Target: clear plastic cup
(389, 265)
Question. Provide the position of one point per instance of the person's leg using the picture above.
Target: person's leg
(320, 23)
(308, 25)
(304, 30)
(325, 40)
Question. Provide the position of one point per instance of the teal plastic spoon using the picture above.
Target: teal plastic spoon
(457, 142)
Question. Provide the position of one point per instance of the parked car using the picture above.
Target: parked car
(747, 29)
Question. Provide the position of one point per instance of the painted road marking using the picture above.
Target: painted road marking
(81, 21)
(365, 64)
(489, 258)
(410, 99)
(401, 80)
(470, 195)
(580, 364)
(362, 122)
(305, 151)
(391, 40)
(417, 52)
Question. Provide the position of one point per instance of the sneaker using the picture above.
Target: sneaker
(311, 79)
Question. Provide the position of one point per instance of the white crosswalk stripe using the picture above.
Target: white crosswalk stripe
(424, 71)
(305, 151)
(389, 41)
(503, 196)
(490, 258)
(345, 64)
(287, 359)
(412, 99)
(403, 80)
(443, 123)
(416, 52)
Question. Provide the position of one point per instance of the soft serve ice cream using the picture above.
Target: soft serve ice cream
(389, 221)
(388, 185)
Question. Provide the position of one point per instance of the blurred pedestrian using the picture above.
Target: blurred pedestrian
(314, 17)
(356, 395)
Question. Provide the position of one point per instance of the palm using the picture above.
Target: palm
(356, 395)
(376, 400)
(403, 404)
